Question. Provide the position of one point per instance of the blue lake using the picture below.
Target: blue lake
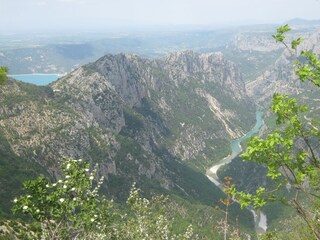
(37, 79)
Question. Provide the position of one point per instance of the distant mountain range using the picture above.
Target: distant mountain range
(300, 21)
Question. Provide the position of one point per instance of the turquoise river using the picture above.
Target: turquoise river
(259, 217)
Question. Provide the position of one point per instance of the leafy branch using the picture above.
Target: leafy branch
(290, 152)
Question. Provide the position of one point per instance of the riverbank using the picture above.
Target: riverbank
(214, 169)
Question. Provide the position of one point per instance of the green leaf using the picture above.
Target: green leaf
(3, 74)
(283, 29)
(279, 36)
(295, 43)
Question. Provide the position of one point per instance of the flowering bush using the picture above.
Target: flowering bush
(67, 207)
(72, 209)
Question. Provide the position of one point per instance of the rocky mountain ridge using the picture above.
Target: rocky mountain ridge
(164, 83)
(139, 119)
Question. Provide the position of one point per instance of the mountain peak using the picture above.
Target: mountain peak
(138, 118)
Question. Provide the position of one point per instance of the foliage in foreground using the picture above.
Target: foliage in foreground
(72, 208)
(291, 152)
(3, 74)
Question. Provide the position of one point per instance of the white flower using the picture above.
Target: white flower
(61, 200)
(15, 200)
(38, 211)
(91, 177)
(60, 181)
(64, 186)
(95, 216)
(74, 199)
(80, 160)
(92, 219)
(28, 196)
(54, 184)
(87, 169)
(72, 189)
(47, 185)
(25, 207)
(67, 176)
(68, 165)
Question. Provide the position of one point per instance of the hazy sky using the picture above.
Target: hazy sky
(97, 14)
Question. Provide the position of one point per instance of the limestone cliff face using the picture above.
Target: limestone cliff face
(186, 66)
(280, 78)
(259, 42)
(185, 91)
(137, 118)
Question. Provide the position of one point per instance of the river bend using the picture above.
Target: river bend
(259, 217)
